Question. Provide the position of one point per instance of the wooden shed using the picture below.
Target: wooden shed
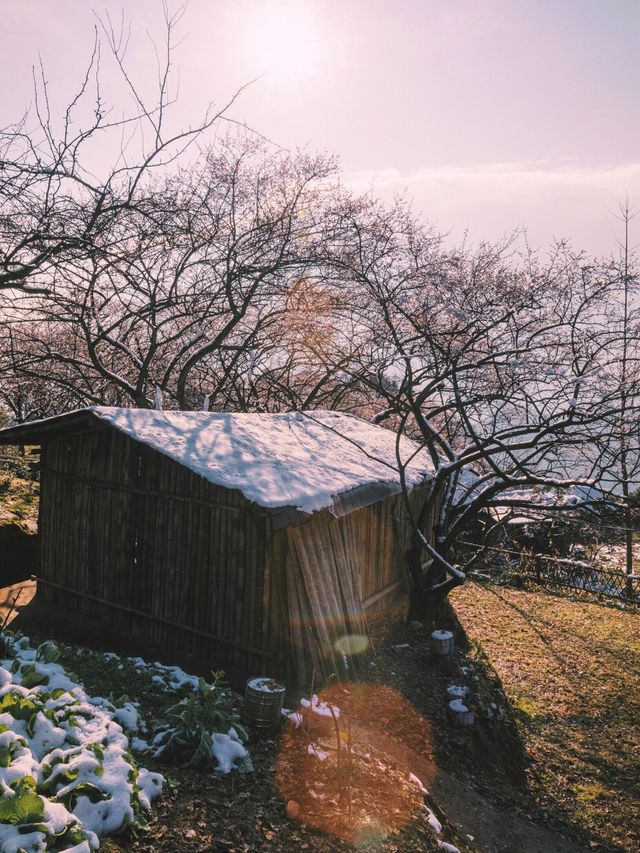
(259, 543)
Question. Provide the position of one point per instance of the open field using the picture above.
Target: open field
(571, 672)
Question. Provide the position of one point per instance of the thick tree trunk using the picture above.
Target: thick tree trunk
(424, 603)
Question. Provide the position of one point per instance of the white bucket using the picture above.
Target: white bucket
(442, 642)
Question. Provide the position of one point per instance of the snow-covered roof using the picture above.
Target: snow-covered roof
(305, 460)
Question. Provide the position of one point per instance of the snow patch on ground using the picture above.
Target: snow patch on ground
(457, 691)
(418, 783)
(171, 679)
(319, 708)
(448, 848)
(320, 754)
(227, 750)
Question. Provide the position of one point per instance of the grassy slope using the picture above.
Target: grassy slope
(571, 670)
(18, 501)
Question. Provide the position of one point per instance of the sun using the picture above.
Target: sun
(285, 43)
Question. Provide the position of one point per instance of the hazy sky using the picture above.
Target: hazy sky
(491, 113)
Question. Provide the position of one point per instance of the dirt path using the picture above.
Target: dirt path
(484, 825)
(494, 830)
(25, 592)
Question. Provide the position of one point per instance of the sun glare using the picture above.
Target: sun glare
(285, 43)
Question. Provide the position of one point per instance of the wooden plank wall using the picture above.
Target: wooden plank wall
(154, 551)
(382, 534)
(327, 571)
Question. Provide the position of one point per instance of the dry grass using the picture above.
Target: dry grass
(571, 670)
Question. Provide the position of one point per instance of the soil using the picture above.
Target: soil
(496, 829)
(397, 724)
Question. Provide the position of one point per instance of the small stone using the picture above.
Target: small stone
(293, 810)
(416, 626)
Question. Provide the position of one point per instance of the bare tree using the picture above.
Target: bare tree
(488, 359)
(629, 433)
(615, 451)
(241, 277)
(54, 208)
(191, 288)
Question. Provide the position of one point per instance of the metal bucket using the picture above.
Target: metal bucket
(442, 643)
(263, 698)
(462, 715)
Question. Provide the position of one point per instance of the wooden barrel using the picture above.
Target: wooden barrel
(442, 642)
(263, 698)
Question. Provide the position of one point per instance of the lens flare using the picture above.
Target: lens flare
(356, 779)
(284, 43)
(352, 644)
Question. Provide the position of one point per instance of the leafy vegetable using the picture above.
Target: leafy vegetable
(25, 806)
(194, 719)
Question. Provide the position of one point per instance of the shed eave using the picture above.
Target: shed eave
(36, 432)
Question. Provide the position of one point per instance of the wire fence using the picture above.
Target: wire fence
(609, 583)
(558, 572)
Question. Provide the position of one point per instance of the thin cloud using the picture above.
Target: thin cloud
(512, 175)
(549, 198)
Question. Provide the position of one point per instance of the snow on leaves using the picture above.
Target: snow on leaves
(66, 773)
